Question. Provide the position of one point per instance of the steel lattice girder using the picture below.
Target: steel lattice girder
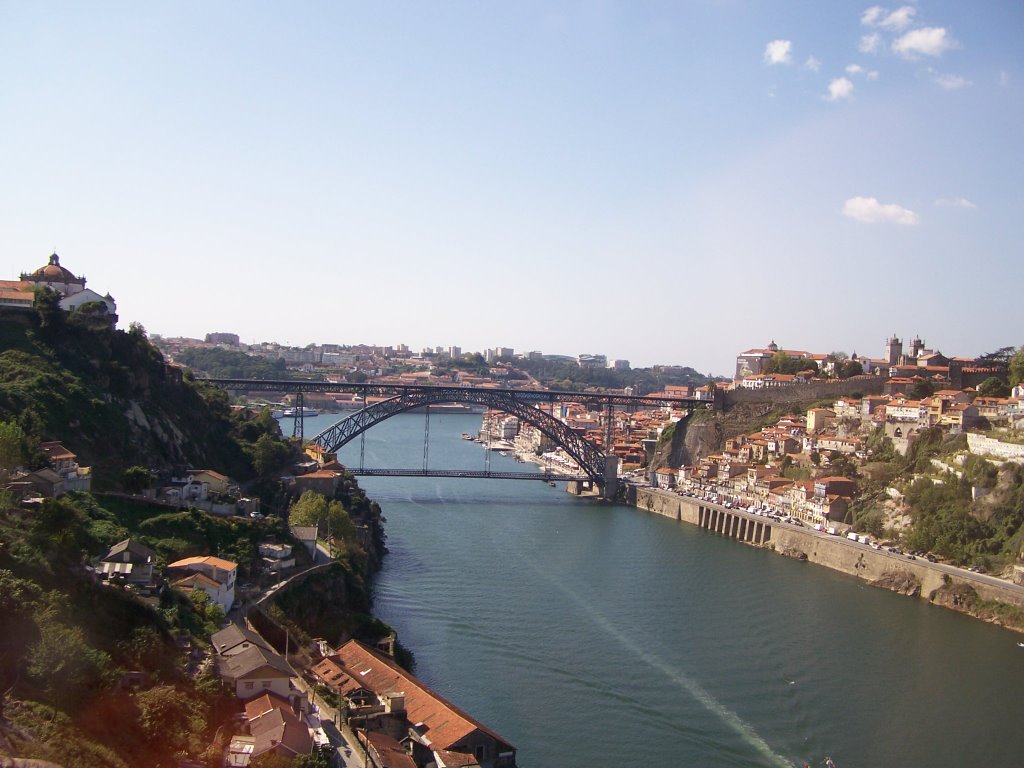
(589, 458)
(463, 393)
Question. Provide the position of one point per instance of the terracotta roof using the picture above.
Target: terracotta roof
(279, 728)
(387, 751)
(216, 562)
(261, 705)
(442, 723)
(196, 579)
(454, 759)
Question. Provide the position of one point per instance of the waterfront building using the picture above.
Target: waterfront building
(381, 697)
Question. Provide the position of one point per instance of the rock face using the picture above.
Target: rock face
(900, 581)
(793, 552)
(690, 442)
(958, 596)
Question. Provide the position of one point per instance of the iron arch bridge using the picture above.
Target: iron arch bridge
(585, 454)
(521, 403)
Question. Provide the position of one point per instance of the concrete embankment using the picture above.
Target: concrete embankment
(941, 584)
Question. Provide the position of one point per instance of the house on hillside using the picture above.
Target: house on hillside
(128, 561)
(234, 639)
(255, 671)
(213, 575)
(65, 464)
(381, 697)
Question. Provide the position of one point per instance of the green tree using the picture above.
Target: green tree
(339, 523)
(310, 509)
(850, 368)
(46, 303)
(137, 479)
(922, 389)
(12, 446)
(62, 664)
(993, 386)
(1017, 367)
(167, 715)
(269, 454)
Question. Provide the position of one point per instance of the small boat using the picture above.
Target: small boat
(291, 413)
(1020, 645)
(552, 483)
(466, 436)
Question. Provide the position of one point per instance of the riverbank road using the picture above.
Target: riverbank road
(343, 740)
(777, 520)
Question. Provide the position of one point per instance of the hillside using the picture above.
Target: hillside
(109, 396)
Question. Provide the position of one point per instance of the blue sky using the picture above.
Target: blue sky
(663, 182)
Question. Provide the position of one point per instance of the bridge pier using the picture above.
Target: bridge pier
(611, 475)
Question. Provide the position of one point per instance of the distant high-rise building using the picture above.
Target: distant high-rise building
(454, 352)
(619, 365)
(504, 352)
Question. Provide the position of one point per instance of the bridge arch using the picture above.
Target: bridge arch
(584, 453)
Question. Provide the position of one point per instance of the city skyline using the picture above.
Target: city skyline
(671, 183)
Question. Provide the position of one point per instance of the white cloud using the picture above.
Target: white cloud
(873, 74)
(899, 19)
(927, 41)
(951, 82)
(812, 64)
(854, 69)
(840, 88)
(871, 16)
(870, 211)
(877, 16)
(955, 202)
(778, 52)
(870, 43)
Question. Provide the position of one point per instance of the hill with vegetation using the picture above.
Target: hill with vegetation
(110, 397)
(567, 376)
(94, 675)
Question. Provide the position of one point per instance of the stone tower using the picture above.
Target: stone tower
(893, 350)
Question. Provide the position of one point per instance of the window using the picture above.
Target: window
(248, 686)
(266, 683)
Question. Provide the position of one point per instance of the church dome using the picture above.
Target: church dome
(53, 272)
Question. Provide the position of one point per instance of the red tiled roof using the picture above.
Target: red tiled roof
(443, 723)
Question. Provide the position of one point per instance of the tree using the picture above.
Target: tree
(46, 303)
(993, 386)
(310, 509)
(165, 715)
(339, 523)
(269, 454)
(1017, 367)
(12, 446)
(136, 479)
(922, 389)
(849, 368)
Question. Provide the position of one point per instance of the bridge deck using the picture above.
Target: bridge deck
(464, 473)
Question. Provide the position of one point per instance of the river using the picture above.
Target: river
(591, 634)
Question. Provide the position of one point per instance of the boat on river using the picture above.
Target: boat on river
(291, 413)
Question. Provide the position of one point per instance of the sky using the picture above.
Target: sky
(665, 182)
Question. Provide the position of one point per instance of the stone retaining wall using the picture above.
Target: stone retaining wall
(874, 566)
